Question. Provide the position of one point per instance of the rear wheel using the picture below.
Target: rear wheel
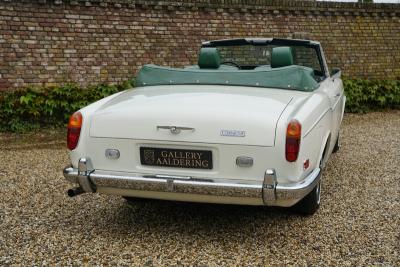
(310, 203)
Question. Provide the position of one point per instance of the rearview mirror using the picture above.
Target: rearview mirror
(336, 73)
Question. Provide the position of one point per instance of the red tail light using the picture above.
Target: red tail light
(293, 136)
(74, 130)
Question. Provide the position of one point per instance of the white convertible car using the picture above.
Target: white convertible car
(253, 123)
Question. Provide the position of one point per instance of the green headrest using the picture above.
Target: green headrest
(281, 57)
(209, 58)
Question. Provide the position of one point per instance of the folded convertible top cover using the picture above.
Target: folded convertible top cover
(292, 77)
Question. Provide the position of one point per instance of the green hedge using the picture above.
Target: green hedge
(371, 95)
(30, 108)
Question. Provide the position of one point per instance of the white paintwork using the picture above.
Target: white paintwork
(128, 120)
(208, 109)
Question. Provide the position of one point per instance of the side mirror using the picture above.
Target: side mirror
(336, 73)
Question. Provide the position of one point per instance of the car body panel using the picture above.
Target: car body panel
(208, 109)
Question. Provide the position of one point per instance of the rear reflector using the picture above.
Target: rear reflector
(74, 130)
(293, 136)
(306, 164)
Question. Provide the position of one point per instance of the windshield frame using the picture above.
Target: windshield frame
(277, 42)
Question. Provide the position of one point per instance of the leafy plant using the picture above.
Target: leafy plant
(30, 108)
(371, 95)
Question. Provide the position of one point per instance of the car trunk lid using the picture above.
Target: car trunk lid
(201, 114)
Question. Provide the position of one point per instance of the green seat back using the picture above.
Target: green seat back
(281, 57)
(209, 58)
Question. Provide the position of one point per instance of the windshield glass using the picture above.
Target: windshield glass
(251, 56)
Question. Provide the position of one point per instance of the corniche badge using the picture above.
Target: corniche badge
(233, 133)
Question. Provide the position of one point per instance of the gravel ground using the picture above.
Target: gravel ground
(358, 223)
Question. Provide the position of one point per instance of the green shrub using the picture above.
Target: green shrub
(371, 95)
(30, 108)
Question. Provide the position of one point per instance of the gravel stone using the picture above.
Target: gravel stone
(358, 223)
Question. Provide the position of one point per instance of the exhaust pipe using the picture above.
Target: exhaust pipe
(73, 192)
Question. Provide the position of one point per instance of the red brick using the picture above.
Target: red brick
(68, 42)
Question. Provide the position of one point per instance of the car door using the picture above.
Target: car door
(335, 93)
(333, 88)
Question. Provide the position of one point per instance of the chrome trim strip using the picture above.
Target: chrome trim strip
(339, 97)
(175, 177)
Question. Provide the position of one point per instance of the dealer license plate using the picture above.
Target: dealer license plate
(177, 158)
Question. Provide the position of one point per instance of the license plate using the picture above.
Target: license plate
(177, 158)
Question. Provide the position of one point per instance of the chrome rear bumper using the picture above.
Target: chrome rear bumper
(268, 193)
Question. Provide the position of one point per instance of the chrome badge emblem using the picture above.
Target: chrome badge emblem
(175, 129)
(233, 133)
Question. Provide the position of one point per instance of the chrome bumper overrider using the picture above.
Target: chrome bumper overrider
(270, 192)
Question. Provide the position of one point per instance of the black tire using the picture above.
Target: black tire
(336, 147)
(310, 203)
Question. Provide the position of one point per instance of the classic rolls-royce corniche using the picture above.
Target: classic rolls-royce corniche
(253, 123)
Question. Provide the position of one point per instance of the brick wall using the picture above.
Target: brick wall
(46, 42)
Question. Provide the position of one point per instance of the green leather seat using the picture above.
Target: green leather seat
(209, 58)
(281, 57)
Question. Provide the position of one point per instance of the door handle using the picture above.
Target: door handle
(337, 95)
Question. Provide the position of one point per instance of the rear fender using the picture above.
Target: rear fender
(313, 114)
(80, 150)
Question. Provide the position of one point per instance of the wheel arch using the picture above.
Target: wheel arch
(324, 150)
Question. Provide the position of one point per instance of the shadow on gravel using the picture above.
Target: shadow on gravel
(166, 218)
